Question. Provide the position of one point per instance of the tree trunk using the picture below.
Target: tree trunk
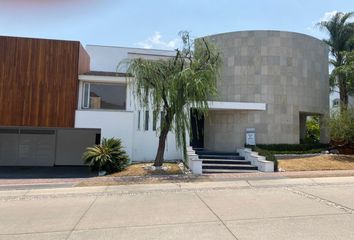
(162, 141)
(343, 93)
(161, 149)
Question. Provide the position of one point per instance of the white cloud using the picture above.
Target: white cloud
(157, 41)
(327, 16)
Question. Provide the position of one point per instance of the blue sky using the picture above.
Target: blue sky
(156, 23)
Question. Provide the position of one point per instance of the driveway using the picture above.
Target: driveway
(45, 172)
(276, 209)
(42, 177)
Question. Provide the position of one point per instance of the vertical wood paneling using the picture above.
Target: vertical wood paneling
(39, 81)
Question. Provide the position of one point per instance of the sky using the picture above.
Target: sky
(156, 23)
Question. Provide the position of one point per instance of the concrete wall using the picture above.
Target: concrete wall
(287, 71)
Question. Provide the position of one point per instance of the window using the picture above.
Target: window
(154, 121)
(146, 121)
(103, 96)
(335, 102)
(139, 116)
(85, 100)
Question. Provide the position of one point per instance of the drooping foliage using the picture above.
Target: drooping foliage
(173, 85)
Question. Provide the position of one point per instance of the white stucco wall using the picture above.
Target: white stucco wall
(141, 145)
(146, 142)
(107, 58)
(117, 124)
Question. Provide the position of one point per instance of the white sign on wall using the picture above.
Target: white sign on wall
(251, 136)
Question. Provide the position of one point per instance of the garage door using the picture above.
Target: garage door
(44, 147)
(72, 143)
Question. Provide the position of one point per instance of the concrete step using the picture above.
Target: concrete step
(225, 161)
(211, 171)
(198, 149)
(229, 166)
(206, 152)
(234, 157)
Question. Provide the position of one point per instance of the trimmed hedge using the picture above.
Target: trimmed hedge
(269, 150)
(301, 148)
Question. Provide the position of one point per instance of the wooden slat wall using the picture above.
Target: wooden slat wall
(39, 81)
(84, 61)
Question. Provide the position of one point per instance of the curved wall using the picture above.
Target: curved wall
(287, 71)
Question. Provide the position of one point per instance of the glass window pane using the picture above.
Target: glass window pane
(139, 120)
(146, 121)
(107, 96)
(85, 95)
(154, 121)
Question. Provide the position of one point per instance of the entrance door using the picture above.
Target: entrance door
(197, 125)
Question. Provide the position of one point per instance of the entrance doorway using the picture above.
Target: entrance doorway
(197, 126)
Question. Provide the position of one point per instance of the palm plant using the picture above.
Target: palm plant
(108, 156)
(341, 40)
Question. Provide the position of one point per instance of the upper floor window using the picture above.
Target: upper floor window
(146, 125)
(104, 96)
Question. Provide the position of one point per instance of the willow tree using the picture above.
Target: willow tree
(341, 38)
(173, 85)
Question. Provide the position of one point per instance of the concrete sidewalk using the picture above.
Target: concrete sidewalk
(302, 208)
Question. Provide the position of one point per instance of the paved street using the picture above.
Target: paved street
(304, 208)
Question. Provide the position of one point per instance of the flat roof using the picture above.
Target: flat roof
(106, 74)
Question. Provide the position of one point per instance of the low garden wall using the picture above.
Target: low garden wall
(257, 160)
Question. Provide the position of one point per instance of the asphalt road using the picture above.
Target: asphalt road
(277, 209)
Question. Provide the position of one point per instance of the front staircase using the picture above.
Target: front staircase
(224, 162)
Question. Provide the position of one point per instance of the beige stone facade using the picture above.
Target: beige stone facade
(286, 71)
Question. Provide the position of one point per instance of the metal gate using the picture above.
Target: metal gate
(45, 147)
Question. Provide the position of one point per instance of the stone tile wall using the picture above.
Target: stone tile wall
(287, 71)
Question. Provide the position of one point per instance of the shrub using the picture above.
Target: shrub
(108, 156)
(341, 126)
(293, 148)
(312, 130)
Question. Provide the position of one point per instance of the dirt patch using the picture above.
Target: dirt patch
(140, 169)
(139, 173)
(322, 162)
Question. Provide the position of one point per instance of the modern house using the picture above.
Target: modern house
(56, 98)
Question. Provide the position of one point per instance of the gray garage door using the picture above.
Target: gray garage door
(45, 147)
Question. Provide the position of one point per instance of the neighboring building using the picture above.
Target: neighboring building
(53, 104)
(38, 99)
(334, 100)
(57, 98)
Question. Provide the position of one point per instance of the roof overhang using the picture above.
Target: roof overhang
(214, 105)
(103, 79)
